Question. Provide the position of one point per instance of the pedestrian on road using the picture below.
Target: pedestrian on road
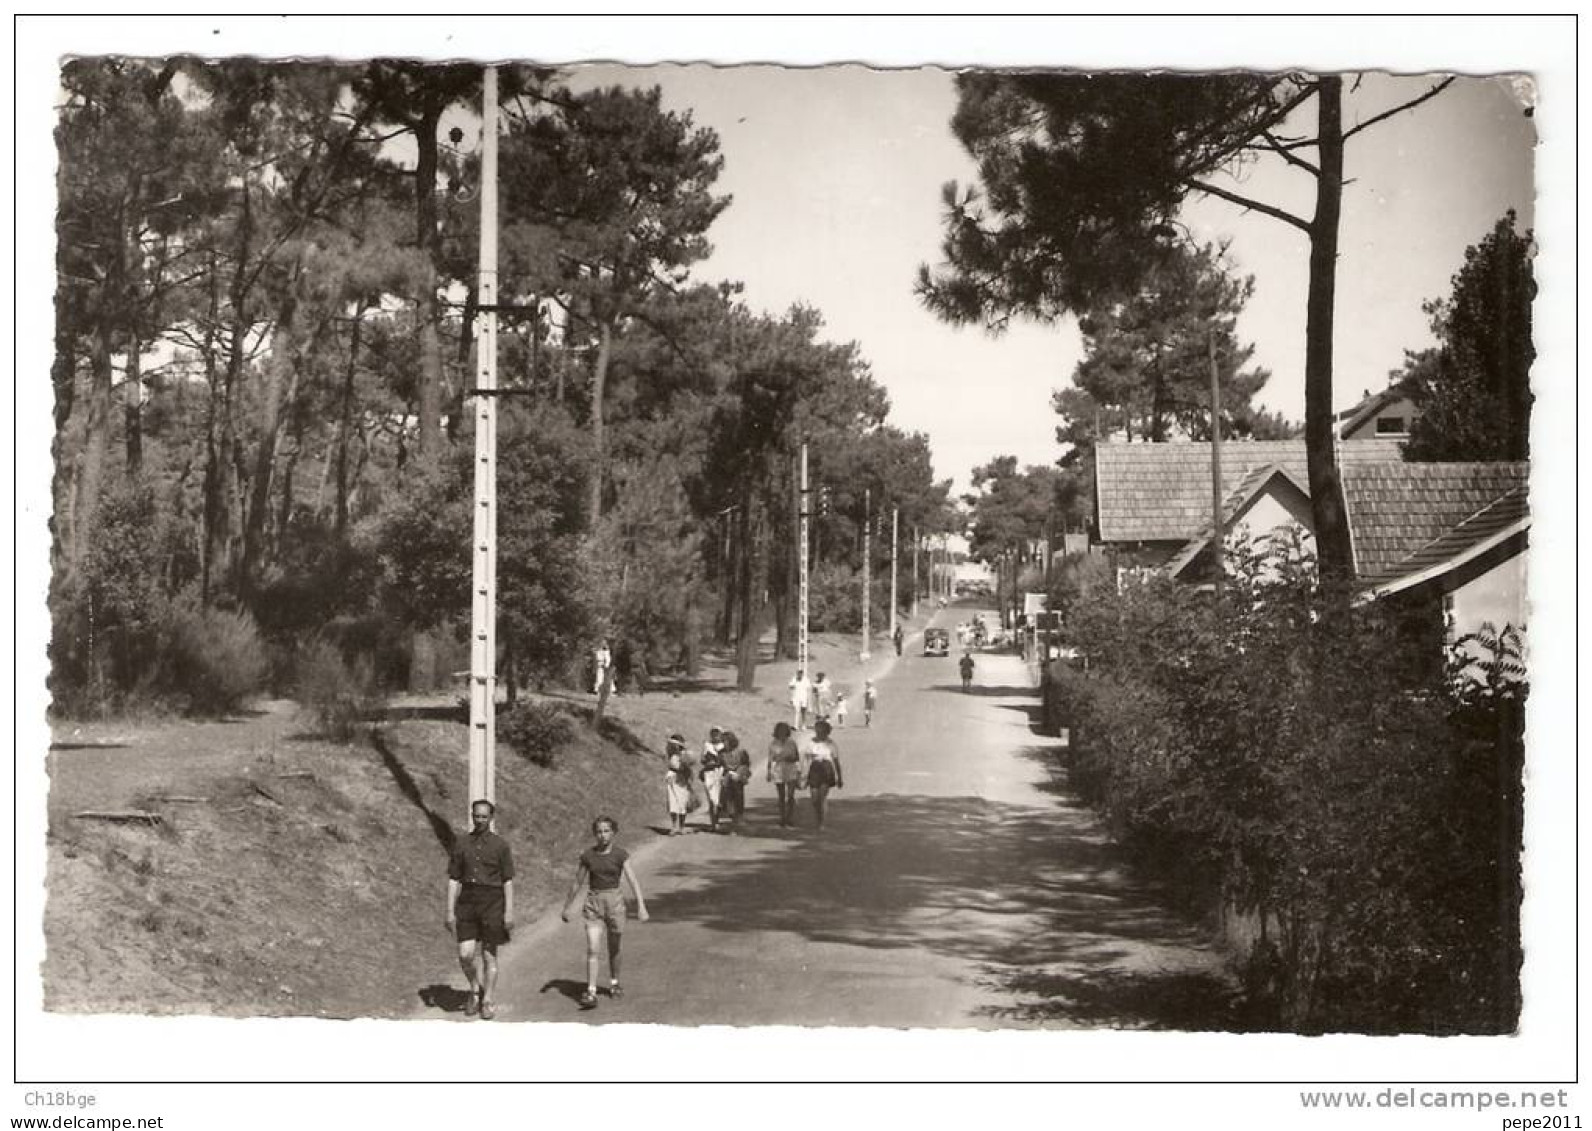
(711, 770)
(966, 664)
(896, 637)
(801, 699)
(480, 904)
(785, 771)
(870, 700)
(737, 772)
(821, 769)
(601, 868)
(840, 710)
(677, 784)
(604, 658)
(823, 698)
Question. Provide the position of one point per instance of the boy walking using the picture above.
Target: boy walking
(600, 870)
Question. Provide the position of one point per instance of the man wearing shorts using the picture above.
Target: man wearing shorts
(480, 904)
(601, 868)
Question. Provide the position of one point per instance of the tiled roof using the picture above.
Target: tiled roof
(1404, 513)
(1162, 492)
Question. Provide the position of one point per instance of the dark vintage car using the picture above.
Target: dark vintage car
(936, 642)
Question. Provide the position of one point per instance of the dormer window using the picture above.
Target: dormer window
(1390, 426)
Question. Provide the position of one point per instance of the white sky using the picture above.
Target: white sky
(836, 176)
(836, 205)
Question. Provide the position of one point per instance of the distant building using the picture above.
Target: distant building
(1379, 416)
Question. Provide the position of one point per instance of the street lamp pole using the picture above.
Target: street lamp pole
(801, 568)
(867, 571)
(895, 535)
(483, 575)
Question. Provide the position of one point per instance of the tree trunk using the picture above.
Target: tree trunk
(133, 406)
(96, 439)
(262, 474)
(599, 380)
(1333, 548)
(750, 623)
(344, 428)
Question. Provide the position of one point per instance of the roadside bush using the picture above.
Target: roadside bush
(536, 730)
(834, 598)
(211, 659)
(338, 695)
(1300, 761)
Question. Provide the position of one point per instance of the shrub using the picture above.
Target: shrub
(211, 659)
(536, 730)
(1303, 762)
(336, 694)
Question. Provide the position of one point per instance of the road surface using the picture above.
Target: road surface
(955, 885)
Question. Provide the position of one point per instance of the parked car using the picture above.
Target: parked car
(936, 642)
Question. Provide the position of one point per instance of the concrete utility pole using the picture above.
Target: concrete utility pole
(915, 544)
(483, 575)
(867, 572)
(895, 533)
(1216, 464)
(806, 511)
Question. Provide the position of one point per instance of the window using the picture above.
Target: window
(1390, 426)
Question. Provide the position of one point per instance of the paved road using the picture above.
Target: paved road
(956, 885)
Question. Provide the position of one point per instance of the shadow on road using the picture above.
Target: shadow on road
(986, 690)
(446, 998)
(1035, 897)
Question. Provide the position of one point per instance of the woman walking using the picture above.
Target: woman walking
(785, 771)
(822, 769)
(677, 784)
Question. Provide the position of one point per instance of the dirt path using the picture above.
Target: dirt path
(956, 886)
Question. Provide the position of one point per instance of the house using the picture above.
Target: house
(1449, 535)
(1379, 416)
(1152, 499)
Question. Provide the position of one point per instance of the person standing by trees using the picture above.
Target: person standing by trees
(600, 870)
(821, 770)
(870, 700)
(604, 657)
(896, 638)
(785, 772)
(480, 904)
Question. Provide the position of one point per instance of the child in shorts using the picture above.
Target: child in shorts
(601, 868)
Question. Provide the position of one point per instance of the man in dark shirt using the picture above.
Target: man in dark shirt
(480, 904)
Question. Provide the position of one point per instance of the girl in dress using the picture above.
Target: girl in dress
(712, 770)
(677, 784)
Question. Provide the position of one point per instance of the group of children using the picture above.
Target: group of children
(819, 700)
(723, 770)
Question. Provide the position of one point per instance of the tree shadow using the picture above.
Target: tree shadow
(987, 691)
(89, 746)
(1035, 898)
(440, 828)
(448, 999)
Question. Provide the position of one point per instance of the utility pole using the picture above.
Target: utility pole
(867, 572)
(1216, 464)
(895, 534)
(915, 545)
(801, 569)
(483, 574)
